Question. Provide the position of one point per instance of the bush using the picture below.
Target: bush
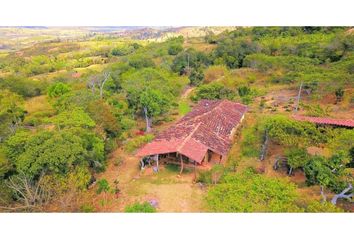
(137, 142)
(251, 192)
(23, 86)
(297, 157)
(213, 91)
(110, 145)
(196, 77)
(315, 110)
(204, 177)
(174, 49)
(87, 208)
(322, 207)
(289, 132)
(140, 62)
(214, 72)
(58, 89)
(251, 143)
(140, 208)
(103, 186)
(122, 51)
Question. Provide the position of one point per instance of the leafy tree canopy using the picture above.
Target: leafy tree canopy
(327, 172)
(251, 192)
(11, 112)
(155, 102)
(58, 89)
(212, 91)
(75, 117)
(290, 132)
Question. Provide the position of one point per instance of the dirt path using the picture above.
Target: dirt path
(187, 92)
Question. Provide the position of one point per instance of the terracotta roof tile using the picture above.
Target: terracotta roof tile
(327, 121)
(207, 126)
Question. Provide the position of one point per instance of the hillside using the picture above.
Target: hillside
(77, 103)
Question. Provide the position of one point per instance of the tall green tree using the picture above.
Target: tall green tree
(11, 113)
(153, 103)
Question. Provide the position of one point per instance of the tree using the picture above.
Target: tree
(31, 192)
(73, 118)
(289, 132)
(174, 49)
(328, 173)
(65, 190)
(151, 91)
(11, 113)
(189, 59)
(251, 192)
(212, 91)
(56, 152)
(233, 50)
(196, 77)
(104, 115)
(140, 61)
(75, 99)
(98, 80)
(154, 103)
(339, 94)
(58, 89)
(297, 157)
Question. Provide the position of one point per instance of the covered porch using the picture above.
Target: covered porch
(209, 159)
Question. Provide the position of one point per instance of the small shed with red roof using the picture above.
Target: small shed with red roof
(202, 137)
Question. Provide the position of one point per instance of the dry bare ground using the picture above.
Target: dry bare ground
(173, 193)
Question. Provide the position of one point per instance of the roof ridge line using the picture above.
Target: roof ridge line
(188, 137)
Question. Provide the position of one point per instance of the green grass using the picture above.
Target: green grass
(183, 108)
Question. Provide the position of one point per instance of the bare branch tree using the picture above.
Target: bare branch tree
(99, 81)
(102, 83)
(30, 192)
(148, 120)
(343, 195)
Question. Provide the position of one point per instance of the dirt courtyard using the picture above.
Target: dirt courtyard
(173, 193)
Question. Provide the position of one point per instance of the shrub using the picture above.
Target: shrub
(315, 110)
(289, 132)
(251, 192)
(214, 72)
(140, 208)
(174, 49)
(204, 177)
(213, 91)
(251, 143)
(322, 207)
(110, 145)
(297, 157)
(58, 89)
(87, 208)
(137, 142)
(141, 62)
(196, 77)
(122, 51)
(103, 186)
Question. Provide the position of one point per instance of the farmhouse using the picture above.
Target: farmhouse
(201, 138)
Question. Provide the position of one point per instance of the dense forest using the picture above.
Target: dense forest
(74, 111)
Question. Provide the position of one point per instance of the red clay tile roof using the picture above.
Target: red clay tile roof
(328, 121)
(207, 126)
